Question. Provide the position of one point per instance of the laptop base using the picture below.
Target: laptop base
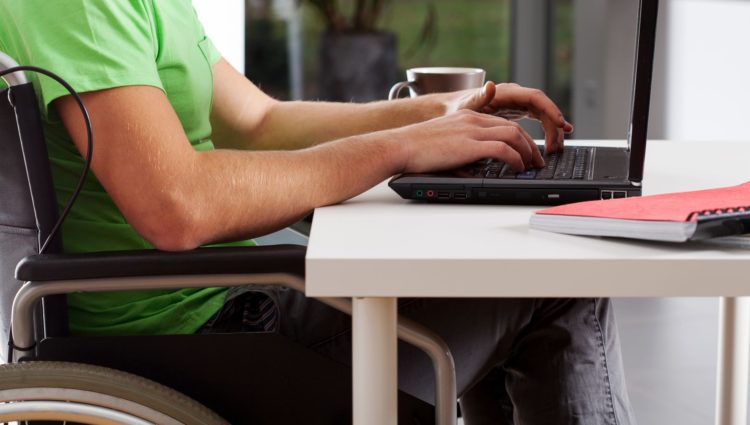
(605, 178)
(514, 196)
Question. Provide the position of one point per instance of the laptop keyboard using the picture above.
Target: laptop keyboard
(570, 164)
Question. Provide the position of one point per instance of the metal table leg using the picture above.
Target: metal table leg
(734, 354)
(375, 372)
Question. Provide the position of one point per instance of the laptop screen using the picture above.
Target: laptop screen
(641, 99)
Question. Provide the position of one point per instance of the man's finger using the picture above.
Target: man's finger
(537, 159)
(483, 97)
(511, 136)
(551, 136)
(538, 103)
(506, 153)
(518, 139)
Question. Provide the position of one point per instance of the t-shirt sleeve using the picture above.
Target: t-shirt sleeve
(93, 44)
(207, 46)
(212, 53)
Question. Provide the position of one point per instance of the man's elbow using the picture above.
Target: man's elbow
(171, 228)
(172, 241)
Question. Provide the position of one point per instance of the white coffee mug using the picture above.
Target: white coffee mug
(438, 80)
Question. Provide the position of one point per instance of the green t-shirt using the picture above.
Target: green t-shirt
(102, 44)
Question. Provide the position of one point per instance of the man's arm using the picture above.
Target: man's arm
(178, 198)
(243, 117)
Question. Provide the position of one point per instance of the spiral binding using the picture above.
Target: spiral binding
(721, 213)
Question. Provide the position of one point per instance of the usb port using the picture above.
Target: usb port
(459, 195)
(444, 195)
(620, 194)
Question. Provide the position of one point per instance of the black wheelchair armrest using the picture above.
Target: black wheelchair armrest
(55, 274)
(100, 265)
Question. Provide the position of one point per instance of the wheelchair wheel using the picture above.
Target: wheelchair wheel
(80, 393)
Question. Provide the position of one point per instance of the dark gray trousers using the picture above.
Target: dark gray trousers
(518, 361)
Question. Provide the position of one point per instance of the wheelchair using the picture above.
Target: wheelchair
(249, 378)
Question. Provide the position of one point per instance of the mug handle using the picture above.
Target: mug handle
(396, 89)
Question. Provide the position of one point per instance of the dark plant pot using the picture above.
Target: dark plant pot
(357, 67)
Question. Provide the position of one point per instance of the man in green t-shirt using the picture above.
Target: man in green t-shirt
(189, 153)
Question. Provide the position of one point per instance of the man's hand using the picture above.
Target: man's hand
(461, 138)
(514, 102)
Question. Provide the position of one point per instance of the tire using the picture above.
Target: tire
(87, 388)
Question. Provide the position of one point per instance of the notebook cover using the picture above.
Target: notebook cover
(667, 207)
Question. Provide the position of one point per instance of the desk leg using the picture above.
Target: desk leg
(374, 379)
(734, 354)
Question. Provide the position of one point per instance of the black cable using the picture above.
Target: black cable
(90, 144)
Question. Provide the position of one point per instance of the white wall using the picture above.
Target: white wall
(708, 70)
(224, 21)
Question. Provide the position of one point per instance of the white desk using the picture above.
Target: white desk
(377, 247)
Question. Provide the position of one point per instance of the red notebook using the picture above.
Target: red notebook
(674, 217)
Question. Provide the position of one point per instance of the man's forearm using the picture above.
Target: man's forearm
(243, 117)
(253, 193)
(294, 125)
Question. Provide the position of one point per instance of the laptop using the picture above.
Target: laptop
(576, 174)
